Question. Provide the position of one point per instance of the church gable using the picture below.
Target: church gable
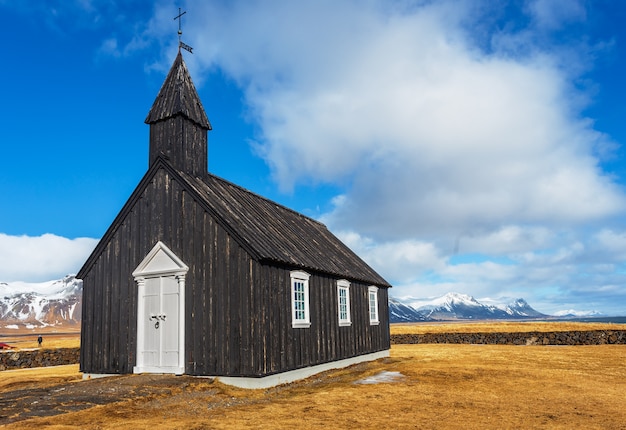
(163, 207)
(160, 260)
(140, 215)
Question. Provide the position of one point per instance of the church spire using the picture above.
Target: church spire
(178, 96)
(178, 123)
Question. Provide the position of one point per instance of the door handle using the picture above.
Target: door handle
(156, 319)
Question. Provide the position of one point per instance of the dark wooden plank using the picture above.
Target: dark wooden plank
(137, 257)
(202, 289)
(233, 321)
(315, 332)
(207, 285)
(86, 333)
(222, 304)
(114, 312)
(281, 306)
(97, 317)
(258, 336)
(124, 288)
(245, 314)
(194, 219)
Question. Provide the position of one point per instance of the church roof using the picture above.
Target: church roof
(178, 96)
(269, 232)
(274, 233)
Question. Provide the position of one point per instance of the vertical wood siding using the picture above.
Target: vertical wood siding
(324, 341)
(238, 319)
(183, 142)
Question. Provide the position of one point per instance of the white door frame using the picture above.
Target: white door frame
(159, 262)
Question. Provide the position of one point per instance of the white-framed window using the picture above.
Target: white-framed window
(343, 299)
(300, 317)
(372, 296)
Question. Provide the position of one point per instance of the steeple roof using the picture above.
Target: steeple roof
(178, 96)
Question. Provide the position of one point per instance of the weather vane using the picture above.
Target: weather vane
(180, 32)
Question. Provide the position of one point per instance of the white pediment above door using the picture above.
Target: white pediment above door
(160, 260)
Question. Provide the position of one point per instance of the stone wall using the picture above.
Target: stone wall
(57, 357)
(596, 337)
(38, 358)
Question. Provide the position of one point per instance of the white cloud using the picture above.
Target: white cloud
(110, 48)
(433, 135)
(41, 258)
(613, 243)
(508, 239)
(462, 154)
(402, 261)
(553, 14)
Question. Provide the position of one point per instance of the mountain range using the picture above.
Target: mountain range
(53, 303)
(58, 303)
(455, 306)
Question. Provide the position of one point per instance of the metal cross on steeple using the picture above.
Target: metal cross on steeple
(180, 32)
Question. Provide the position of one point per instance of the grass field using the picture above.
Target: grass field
(436, 386)
(501, 327)
(26, 339)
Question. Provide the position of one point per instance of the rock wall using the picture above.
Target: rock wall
(596, 337)
(38, 358)
(58, 357)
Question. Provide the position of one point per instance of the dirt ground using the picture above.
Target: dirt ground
(419, 386)
(56, 395)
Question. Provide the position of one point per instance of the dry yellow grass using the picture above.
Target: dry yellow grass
(38, 375)
(50, 340)
(442, 386)
(500, 327)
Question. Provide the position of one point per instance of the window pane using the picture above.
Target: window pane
(373, 307)
(344, 304)
(300, 317)
(299, 300)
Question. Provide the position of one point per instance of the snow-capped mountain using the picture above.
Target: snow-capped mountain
(571, 313)
(51, 303)
(400, 312)
(516, 308)
(455, 306)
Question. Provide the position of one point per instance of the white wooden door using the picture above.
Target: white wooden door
(169, 324)
(150, 350)
(160, 281)
(161, 323)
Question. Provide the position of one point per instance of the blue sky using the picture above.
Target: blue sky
(468, 146)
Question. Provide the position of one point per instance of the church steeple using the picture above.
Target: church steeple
(178, 123)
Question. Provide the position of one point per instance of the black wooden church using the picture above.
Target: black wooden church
(199, 276)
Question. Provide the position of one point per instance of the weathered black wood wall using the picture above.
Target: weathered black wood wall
(183, 142)
(238, 310)
(286, 348)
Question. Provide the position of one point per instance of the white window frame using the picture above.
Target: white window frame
(299, 285)
(372, 293)
(343, 285)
